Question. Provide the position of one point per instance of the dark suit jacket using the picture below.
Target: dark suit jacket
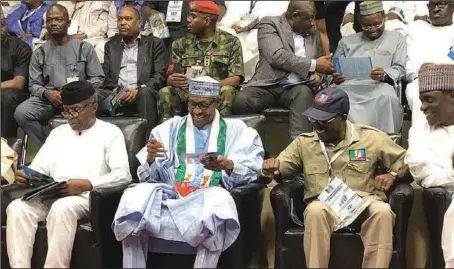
(151, 63)
(277, 52)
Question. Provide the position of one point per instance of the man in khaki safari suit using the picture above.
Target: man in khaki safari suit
(353, 151)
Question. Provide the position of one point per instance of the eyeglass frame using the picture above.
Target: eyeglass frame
(322, 123)
(374, 26)
(198, 104)
(75, 114)
(432, 5)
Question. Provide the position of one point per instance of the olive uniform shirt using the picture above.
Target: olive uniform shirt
(305, 154)
(220, 58)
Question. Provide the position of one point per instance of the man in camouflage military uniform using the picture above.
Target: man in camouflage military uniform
(205, 51)
(350, 152)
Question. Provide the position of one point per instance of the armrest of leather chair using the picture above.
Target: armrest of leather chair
(249, 200)
(401, 202)
(104, 201)
(436, 201)
(280, 197)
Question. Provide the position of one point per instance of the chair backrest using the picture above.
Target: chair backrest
(256, 122)
(133, 130)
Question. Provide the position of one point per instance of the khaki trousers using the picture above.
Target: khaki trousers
(377, 223)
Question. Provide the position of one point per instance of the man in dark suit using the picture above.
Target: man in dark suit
(290, 66)
(138, 64)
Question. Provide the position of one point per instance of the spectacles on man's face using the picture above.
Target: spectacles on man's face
(202, 106)
(433, 5)
(323, 123)
(373, 26)
(74, 113)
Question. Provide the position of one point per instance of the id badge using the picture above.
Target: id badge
(174, 11)
(71, 79)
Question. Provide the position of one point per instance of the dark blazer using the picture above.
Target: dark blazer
(151, 62)
(277, 52)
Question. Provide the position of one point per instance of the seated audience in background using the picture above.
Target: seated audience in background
(119, 4)
(428, 43)
(430, 155)
(137, 63)
(290, 56)
(89, 22)
(27, 21)
(86, 153)
(15, 59)
(241, 20)
(399, 14)
(201, 182)
(176, 14)
(335, 136)
(59, 61)
(9, 159)
(374, 101)
(208, 51)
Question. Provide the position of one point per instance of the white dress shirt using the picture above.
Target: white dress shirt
(300, 50)
(97, 154)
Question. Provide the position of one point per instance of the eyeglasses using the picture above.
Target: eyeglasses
(202, 106)
(74, 113)
(433, 5)
(375, 25)
(321, 122)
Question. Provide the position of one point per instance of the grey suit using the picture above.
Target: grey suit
(151, 72)
(277, 61)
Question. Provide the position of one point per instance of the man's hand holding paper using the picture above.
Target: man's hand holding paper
(155, 149)
(178, 80)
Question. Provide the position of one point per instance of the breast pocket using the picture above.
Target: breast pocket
(316, 176)
(188, 60)
(357, 174)
(221, 64)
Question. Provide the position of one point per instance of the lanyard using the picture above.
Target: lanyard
(251, 7)
(339, 153)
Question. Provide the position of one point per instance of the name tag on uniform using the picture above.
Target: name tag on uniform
(72, 79)
(357, 155)
(174, 11)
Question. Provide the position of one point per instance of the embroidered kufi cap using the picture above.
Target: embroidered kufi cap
(370, 7)
(436, 77)
(76, 92)
(205, 87)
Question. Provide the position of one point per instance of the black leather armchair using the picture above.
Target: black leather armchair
(435, 201)
(346, 245)
(88, 252)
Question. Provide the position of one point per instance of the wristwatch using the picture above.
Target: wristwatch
(394, 174)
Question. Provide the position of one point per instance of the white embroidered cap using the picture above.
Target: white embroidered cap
(204, 86)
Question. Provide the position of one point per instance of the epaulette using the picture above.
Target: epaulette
(312, 134)
(367, 127)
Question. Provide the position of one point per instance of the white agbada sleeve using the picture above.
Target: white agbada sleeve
(117, 160)
(45, 157)
(422, 161)
(245, 149)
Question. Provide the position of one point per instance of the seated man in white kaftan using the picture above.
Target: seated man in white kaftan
(374, 101)
(187, 170)
(86, 153)
(428, 43)
(90, 22)
(430, 156)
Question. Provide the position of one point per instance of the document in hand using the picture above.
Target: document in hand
(343, 202)
(358, 68)
(43, 191)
